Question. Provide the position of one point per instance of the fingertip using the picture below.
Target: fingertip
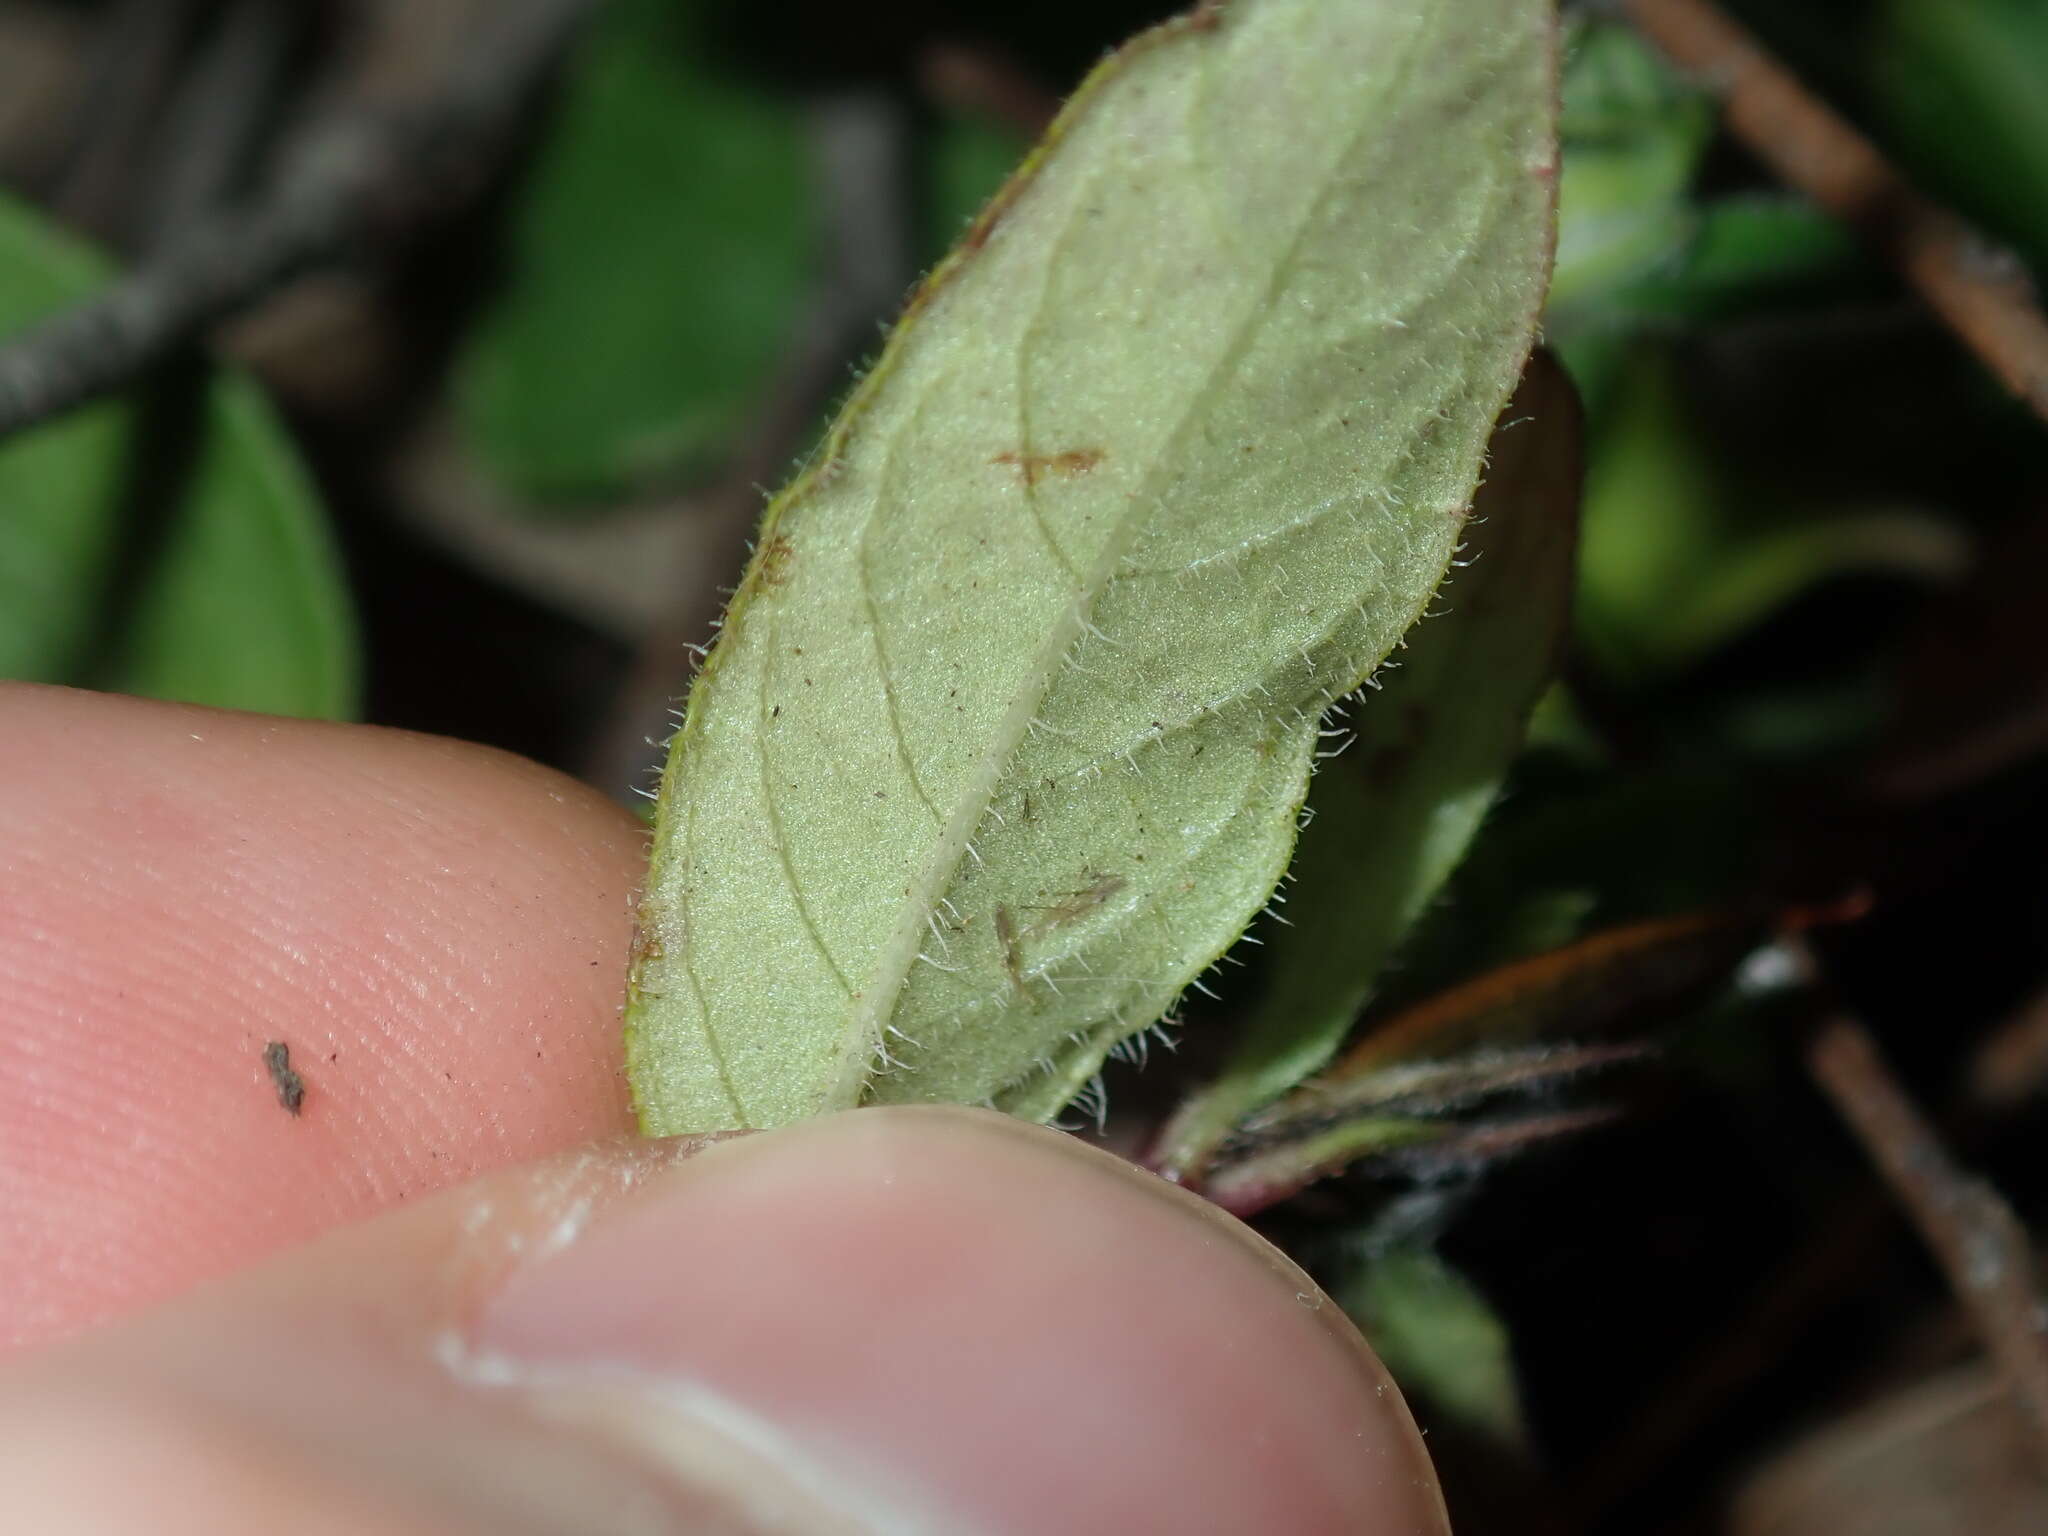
(885, 1321)
(437, 932)
(952, 1320)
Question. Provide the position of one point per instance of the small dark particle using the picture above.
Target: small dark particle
(291, 1088)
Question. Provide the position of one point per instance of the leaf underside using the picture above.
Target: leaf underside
(1394, 815)
(1011, 719)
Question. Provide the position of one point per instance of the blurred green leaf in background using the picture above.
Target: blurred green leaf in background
(201, 569)
(1963, 88)
(1687, 546)
(967, 156)
(1437, 1334)
(658, 258)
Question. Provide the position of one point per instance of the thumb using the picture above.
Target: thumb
(886, 1321)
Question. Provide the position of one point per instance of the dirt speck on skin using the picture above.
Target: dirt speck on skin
(291, 1088)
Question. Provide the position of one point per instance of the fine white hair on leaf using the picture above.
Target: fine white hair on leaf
(1225, 437)
(1093, 1101)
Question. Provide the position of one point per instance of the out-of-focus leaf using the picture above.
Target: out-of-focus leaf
(1558, 726)
(1761, 573)
(228, 588)
(1558, 860)
(1745, 256)
(1587, 988)
(1745, 251)
(658, 258)
(1632, 136)
(1263, 1173)
(1429, 1080)
(1971, 695)
(1005, 736)
(1394, 814)
(967, 159)
(1637, 250)
(1677, 560)
(1440, 1337)
(1962, 89)
(1652, 521)
(1952, 1453)
(1431, 1120)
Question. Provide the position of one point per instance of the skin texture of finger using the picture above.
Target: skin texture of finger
(909, 1320)
(438, 933)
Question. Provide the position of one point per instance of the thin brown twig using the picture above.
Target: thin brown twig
(2010, 1064)
(1976, 286)
(1731, 1360)
(357, 175)
(987, 81)
(1974, 1236)
(132, 68)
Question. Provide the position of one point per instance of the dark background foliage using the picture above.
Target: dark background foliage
(482, 464)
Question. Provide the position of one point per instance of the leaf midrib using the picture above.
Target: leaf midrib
(892, 970)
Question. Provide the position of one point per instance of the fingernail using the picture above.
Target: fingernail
(910, 1321)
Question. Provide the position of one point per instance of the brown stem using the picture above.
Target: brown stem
(989, 82)
(1978, 288)
(2011, 1063)
(352, 178)
(1975, 1237)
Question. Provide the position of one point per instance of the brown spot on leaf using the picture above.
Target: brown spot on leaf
(646, 947)
(1006, 935)
(776, 557)
(1078, 904)
(1032, 466)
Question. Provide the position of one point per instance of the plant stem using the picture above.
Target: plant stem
(1977, 287)
(359, 175)
(1973, 1234)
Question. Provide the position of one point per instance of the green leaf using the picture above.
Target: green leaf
(1680, 558)
(1440, 1337)
(1961, 87)
(659, 256)
(1608, 983)
(1653, 518)
(967, 158)
(1444, 1114)
(1396, 813)
(1637, 248)
(1633, 136)
(1005, 737)
(231, 596)
(1747, 251)
(1558, 861)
